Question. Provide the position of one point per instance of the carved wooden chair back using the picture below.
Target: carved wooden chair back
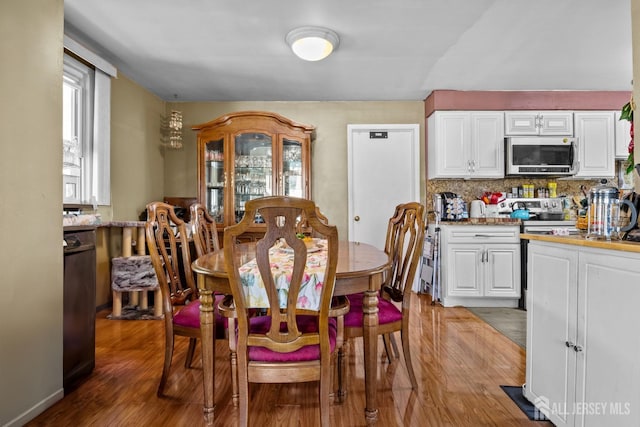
(168, 243)
(404, 243)
(303, 228)
(294, 341)
(205, 232)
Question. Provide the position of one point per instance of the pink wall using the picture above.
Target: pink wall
(524, 100)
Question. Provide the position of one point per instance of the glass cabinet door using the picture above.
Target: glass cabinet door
(292, 180)
(253, 169)
(215, 179)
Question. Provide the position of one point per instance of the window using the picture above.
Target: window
(77, 98)
(86, 94)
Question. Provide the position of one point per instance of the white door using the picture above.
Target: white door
(384, 171)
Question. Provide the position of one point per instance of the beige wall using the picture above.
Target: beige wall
(137, 156)
(137, 169)
(31, 194)
(30, 183)
(329, 150)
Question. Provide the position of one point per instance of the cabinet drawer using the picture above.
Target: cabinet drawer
(481, 234)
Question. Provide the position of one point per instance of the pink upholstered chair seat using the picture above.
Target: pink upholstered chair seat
(262, 324)
(189, 316)
(387, 312)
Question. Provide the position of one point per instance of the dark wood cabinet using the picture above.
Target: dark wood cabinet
(79, 304)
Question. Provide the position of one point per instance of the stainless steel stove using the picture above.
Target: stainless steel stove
(547, 217)
(549, 227)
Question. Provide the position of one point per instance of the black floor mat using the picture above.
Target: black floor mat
(515, 393)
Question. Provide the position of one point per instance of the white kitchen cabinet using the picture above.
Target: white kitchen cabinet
(622, 137)
(465, 144)
(596, 144)
(480, 265)
(547, 123)
(552, 275)
(582, 340)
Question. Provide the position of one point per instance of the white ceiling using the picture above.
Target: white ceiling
(208, 50)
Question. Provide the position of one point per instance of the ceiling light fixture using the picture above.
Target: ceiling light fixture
(312, 43)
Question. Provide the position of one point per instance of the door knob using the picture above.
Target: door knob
(356, 218)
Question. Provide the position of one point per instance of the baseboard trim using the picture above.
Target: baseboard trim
(36, 409)
(511, 302)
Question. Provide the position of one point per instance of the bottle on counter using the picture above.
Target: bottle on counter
(528, 191)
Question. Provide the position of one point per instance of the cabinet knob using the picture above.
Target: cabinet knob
(568, 344)
(577, 348)
(356, 218)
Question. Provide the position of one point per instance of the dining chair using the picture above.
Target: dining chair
(205, 232)
(302, 226)
(166, 236)
(403, 244)
(296, 338)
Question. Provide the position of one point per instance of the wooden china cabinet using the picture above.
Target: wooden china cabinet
(251, 154)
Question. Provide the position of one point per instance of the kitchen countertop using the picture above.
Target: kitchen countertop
(484, 221)
(580, 240)
(123, 224)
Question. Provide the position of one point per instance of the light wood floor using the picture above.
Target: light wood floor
(459, 360)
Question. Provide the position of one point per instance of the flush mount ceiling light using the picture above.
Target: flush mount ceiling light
(312, 43)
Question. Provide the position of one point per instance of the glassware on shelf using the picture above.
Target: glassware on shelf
(215, 203)
(292, 153)
(215, 175)
(213, 156)
(214, 178)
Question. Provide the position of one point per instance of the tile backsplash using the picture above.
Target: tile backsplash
(471, 189)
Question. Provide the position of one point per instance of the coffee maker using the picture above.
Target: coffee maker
(603, 213)
(449, 207)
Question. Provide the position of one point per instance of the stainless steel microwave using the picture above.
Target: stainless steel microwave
(543, 156)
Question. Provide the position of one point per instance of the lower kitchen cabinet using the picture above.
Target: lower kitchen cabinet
(582, 341)
(480, 265)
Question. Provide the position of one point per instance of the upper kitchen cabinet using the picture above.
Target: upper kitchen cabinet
(247, 155)
(465, 144)
(595, 131)
(548, 123)
(623, 137)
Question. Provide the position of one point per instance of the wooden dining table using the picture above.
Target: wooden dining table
(361, 268)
